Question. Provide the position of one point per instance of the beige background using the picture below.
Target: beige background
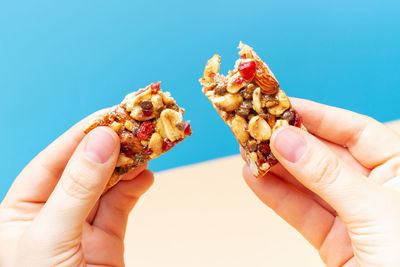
(205, 215)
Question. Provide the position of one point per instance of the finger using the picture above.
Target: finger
(113, 212)
(295, 207)
(127, 176)
(361, 134)
(38, 179)
(336, 249)
(341, 152)
(321, 171)
(323, 230)
(94, 241)
(82, 181)
(284, 175)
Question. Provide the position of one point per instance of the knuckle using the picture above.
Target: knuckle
(326, 171)
(76, 183)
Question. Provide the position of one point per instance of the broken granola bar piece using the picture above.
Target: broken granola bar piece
(250, 101)
(148, 122)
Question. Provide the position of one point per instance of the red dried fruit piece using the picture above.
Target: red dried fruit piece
(296, 119)
(264, 149)
(155, 87)
(272, 161)
(187, 129)
(248, 70)
(167, 145)
(145, 130)
(147, 111)
(239, 80)
(126, 149)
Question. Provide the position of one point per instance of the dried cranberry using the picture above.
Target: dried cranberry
(126, 149)
(155, 87)
(167, 145)
(145, 130)
(239, 80)
(272, 161)
(248, 70)
(296, 119)
(187, 129)
(147, 112)
(264, 149)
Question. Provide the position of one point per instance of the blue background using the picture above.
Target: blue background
(62, 60)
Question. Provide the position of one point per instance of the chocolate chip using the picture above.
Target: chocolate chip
(146, 104)
(220, 89)
(180, 126)
(243, 112)
(288, 115)
(252, 147)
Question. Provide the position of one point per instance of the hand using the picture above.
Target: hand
(55, 213)
(339, 188)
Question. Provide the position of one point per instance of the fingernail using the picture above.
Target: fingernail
(100, 145)
(290, 144)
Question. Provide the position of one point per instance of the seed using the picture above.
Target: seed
(247, 95)
(243, 112)
(146, 104)
(220, 89)
(270, 100)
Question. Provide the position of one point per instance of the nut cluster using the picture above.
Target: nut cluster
(251, 103)
(148, 123)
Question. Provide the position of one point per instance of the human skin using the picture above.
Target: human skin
(57, 214)
(338, 185)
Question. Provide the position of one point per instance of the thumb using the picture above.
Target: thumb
(82, 181)
(319, 169)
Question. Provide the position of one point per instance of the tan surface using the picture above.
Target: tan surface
(205, 215)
